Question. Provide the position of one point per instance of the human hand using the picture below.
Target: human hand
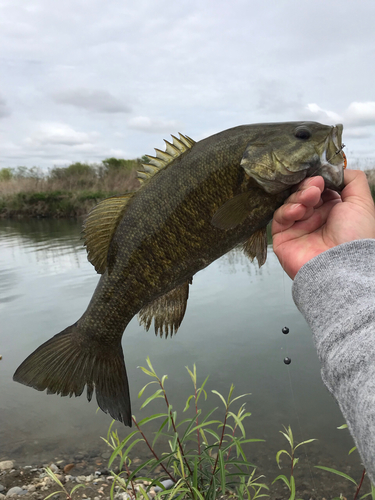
(313, 220)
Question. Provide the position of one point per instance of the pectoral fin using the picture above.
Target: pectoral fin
(256, 246)
(167, 311)
(233, 212)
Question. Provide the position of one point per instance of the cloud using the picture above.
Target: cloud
(59, 134)
(356, 115)
(146, 124)
(323, 114)
(99, 101)
(4, 109)
(361, 113)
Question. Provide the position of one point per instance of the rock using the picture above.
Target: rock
(168, 483)
(68, 468)
(54, 468)
(16, 490)
(31, 488)
(6, 464)
(2, 496)
(122, 496)
(2, 488)
(81, 479)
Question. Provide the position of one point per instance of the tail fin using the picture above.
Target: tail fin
(66, 363)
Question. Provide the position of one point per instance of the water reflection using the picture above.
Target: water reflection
(231, 331)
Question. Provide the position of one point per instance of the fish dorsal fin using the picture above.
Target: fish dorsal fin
(256, 246)
(167, 311)
(100, 226)
(164, 158)
(233, 212)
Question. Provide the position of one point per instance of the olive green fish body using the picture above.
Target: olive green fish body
(199, 201)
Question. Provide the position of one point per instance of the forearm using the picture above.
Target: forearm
(335, 292)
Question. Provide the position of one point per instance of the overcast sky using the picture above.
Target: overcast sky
(83, 80)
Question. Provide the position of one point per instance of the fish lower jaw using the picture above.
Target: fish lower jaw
(333, 174)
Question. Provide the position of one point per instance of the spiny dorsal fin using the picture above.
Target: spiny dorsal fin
(167, 311)
(233, 212)
(256, 246)
(164, 158)
(100, 226)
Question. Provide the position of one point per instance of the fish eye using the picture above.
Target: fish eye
(302, 133)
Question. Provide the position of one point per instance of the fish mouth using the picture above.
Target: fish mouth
(332, 161)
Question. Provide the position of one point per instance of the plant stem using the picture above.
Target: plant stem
(152, 450)
(360, 484)
(175, 430)
(221, 442)
(131, 481)
(196, 422)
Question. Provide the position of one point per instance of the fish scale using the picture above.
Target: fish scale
(197, 201)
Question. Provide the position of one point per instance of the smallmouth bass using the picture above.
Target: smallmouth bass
(197, 202)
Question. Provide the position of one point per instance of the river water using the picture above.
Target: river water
(231, 331)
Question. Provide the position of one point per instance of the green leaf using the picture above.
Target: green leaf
(159, 431)
(152, 417)
(127, 451)
(337, 472)
(147, 372)
(278, 454)
(242, 396)
(193, 376)
(201, 425)
(252, 441)
(221, 397)
(238, 422)
(164, 378)
(120, 447)
(282, 478)
(288, 435)
(343, 426)
(292, 488)
(53, 476)
(144, 387)
(195, 473)
(198, 493)
(230, 394)
(222, 471)
(305, 442)
(353, 449)
(201, 389)
(188, 402)
(76, 488)
(209, 431)
(150, 365)
(109, 429)
(158, 394)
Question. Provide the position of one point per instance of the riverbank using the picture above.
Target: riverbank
(31, 482)
(64, 192)
(72, 191)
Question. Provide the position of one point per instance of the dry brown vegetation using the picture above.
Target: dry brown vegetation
(64, 191)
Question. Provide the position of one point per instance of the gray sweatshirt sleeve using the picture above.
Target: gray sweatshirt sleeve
(335, 292)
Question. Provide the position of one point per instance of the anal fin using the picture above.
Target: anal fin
(256, 246)
(167, 311)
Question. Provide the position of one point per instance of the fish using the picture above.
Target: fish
(197, 201)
